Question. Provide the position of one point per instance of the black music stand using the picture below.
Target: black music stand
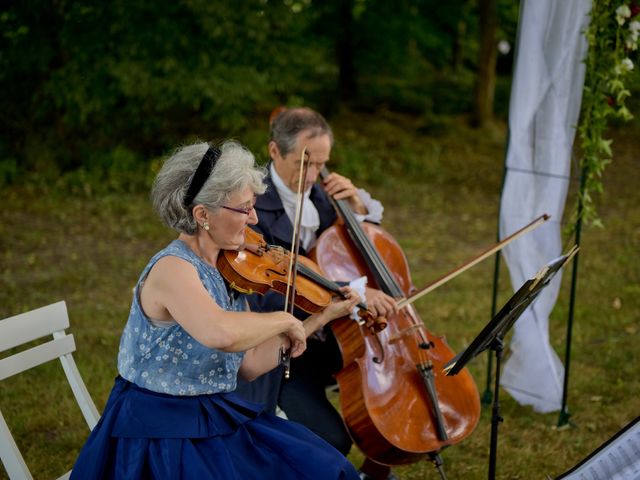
(492, 337)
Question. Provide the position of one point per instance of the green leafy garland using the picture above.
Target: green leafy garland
(612, 37)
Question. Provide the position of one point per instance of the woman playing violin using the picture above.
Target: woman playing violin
(173, 412)
(302, 397)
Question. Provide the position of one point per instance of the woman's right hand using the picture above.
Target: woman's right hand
(295, 338)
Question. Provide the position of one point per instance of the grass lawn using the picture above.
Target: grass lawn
(441, 193)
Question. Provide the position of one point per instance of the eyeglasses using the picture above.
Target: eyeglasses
(246, 210)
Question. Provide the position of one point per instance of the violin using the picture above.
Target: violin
(257, 267)
(396, 401)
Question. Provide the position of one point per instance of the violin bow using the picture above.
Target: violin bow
(289, 302)
(465, 266)
(295, 240)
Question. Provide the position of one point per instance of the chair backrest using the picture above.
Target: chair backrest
(20, 329)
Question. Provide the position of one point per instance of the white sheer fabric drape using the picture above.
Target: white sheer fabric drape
(545, 103)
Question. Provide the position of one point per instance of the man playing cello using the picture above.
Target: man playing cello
(303, 397)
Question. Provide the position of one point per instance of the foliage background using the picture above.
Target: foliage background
(104, 87)
(95, 93)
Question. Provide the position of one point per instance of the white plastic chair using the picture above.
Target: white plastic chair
(23, 328)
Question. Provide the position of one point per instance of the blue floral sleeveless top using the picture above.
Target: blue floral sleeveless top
(167, 359)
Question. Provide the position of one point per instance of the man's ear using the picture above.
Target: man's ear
(274, 152)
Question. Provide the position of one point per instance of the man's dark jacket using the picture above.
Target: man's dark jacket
(277, 229)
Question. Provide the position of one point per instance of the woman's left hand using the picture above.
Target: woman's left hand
(336, 309)
(342, 307)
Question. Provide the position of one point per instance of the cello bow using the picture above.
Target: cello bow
(477, 259)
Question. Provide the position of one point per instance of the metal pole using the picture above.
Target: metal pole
(487, 395)
(563, 419)
(497, 347)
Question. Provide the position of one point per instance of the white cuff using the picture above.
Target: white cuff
(358, 285)
(373, 206)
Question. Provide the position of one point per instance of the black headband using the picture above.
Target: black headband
(207, 164)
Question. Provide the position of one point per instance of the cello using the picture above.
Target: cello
(396, 401)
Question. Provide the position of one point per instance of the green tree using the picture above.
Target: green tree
(98, 85)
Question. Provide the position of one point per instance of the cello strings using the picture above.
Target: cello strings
(371, 255)
(378, 267)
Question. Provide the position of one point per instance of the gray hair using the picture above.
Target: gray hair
(286, 126)
(235, 170)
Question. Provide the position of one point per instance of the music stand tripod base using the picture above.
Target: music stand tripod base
(492, 337)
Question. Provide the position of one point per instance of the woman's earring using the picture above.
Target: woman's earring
(205, 225)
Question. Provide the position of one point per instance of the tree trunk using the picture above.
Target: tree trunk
(486, 79)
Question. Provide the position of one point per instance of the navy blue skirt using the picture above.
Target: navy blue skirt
(143, 434)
